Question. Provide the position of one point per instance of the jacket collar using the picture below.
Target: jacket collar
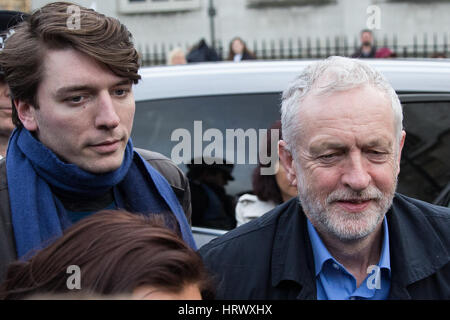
(322, 255)
(417, 251)
(292, 258)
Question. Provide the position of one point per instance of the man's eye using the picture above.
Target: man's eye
(75, 99)
(376, 153)
(377, 156)
(121, 92)
(329, 156)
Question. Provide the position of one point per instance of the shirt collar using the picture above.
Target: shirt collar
(321, 253)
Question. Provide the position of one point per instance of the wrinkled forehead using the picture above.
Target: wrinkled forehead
(358, 106)
(337, 79)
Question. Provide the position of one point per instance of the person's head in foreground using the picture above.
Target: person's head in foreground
(117, 254)
(343, 152)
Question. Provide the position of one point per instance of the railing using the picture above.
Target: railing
(308, 48)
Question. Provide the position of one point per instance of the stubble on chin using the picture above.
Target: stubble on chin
(331, 219)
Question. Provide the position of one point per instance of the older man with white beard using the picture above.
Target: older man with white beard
(350, 236)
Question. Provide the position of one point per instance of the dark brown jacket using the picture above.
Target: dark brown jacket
(166, 167)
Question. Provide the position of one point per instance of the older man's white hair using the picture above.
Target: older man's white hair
(328, 76)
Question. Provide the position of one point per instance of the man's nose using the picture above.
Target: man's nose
(356, 175)
(106, 116)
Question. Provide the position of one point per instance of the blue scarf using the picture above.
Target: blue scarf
(38, 217)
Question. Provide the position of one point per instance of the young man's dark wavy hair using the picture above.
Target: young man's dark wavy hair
(52, 27)
(116, 252)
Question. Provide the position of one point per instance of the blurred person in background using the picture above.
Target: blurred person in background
(176, 56)
(6, 125)
(8, 19)
(212, 207)
(385, 53)
(367, 49)
(238, 51)
(118, 254)
(268, 190)
(201, 52)
(438, 55)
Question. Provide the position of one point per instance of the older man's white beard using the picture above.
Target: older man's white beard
(330, 218)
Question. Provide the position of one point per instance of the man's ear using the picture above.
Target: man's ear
(27, 114)
(400, 148)
(287, 162)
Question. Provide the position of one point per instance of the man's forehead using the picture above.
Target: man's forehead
(355, 111)
(68, 67)
(323, 100)
(328, 142)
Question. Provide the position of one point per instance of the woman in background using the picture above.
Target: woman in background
(268, 190)
(238, 51)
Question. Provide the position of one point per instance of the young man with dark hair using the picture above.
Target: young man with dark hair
(71, 153)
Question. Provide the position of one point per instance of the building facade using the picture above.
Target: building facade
(273, 24)
(16, 5)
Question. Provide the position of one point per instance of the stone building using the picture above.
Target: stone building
(273, 24)
(16, 5)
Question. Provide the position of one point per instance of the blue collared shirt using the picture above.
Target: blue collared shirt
(334, 282)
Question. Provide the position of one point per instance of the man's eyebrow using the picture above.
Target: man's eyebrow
(319, 147)
(326, 145)
(123, 82)
(378, 143)
(65, 90)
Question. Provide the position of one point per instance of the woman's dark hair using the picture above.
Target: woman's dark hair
(265, 187)
(116, 252)
(54, 27)
(246, 51)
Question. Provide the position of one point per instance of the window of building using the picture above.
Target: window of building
(286, 3)
(155, 6)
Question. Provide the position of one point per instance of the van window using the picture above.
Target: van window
(425, 165)
(156, 120)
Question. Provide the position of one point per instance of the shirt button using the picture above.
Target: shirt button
(335, 266)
